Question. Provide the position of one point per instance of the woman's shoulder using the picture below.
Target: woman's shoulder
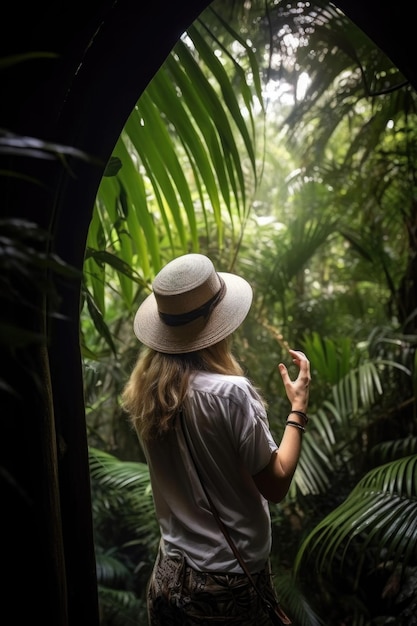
(202, 378)
(229, 385)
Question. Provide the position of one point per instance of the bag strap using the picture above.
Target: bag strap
(221, 524)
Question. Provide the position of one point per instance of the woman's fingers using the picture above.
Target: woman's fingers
(297, 390)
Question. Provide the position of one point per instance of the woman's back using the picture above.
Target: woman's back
(230, 441)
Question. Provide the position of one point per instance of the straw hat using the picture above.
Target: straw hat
(192, 306)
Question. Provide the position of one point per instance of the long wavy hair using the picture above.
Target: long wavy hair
(158, 384)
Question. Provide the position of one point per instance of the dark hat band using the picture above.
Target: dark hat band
(202, 311)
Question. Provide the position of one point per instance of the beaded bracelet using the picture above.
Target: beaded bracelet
(303, 415)
(296, 425)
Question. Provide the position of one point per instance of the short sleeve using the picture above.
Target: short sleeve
(256, 443)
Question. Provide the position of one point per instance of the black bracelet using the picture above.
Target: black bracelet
(295, 424)
(304, 416)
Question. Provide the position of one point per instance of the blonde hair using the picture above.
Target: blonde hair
(158, 384)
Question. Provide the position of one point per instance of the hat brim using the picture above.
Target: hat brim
(224, 319)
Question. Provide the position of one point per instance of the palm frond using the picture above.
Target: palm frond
(178, 168)
(110, 569)
(112, 472)
(355, 392)
(314, 467)
(380, 515)
(389, 450)
(120, 607)
(300, 610)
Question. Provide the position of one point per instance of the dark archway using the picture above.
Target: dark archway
(104, 54)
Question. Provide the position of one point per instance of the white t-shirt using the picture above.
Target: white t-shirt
(231, 442)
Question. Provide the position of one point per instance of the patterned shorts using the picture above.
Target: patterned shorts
(177, 595)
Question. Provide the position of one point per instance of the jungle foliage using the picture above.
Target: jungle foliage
(311, 196)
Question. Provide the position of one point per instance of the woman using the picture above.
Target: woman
(204, 431)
